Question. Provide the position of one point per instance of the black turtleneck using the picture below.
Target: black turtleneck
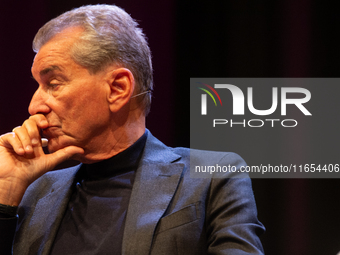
(95, 217)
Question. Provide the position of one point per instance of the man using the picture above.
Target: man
(131, 194)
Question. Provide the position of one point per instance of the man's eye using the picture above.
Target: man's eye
(53, 88)
(53, 85)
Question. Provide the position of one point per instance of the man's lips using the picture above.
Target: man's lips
(50, 128)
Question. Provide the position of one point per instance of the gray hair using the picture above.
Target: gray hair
(110, 36)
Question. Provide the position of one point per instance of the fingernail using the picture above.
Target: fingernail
(44, 142)
(29, 148)
(35, 141)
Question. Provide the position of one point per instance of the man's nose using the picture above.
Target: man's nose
(38, 103)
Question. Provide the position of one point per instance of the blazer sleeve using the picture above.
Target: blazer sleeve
(7, 232)
(231, 214)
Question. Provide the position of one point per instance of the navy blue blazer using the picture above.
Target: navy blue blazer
(169, 211)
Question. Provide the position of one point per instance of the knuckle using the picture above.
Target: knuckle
(29, 120)
(30, 126)
(2, 137)
(17, 127)
(8, 138)
(36, 117)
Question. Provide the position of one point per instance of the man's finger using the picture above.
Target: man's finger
(40, 120)
(22, 134)
(10, 141)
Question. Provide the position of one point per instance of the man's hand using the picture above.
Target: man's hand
(22, 159)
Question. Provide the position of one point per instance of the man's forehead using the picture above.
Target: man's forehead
(49, 69)
(48, 61)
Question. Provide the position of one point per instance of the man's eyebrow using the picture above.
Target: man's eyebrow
(49, 69)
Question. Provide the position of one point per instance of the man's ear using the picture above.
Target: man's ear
(122, 85)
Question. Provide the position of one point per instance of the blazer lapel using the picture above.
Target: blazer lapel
(156, 181)
(49, 212)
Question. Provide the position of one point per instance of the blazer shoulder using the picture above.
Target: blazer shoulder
(207, 156)
(155, 150)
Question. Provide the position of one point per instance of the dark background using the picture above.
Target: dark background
(262, 38)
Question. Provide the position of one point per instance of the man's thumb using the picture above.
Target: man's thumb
(63, 154)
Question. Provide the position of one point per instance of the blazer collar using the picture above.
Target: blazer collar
(157, 152)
